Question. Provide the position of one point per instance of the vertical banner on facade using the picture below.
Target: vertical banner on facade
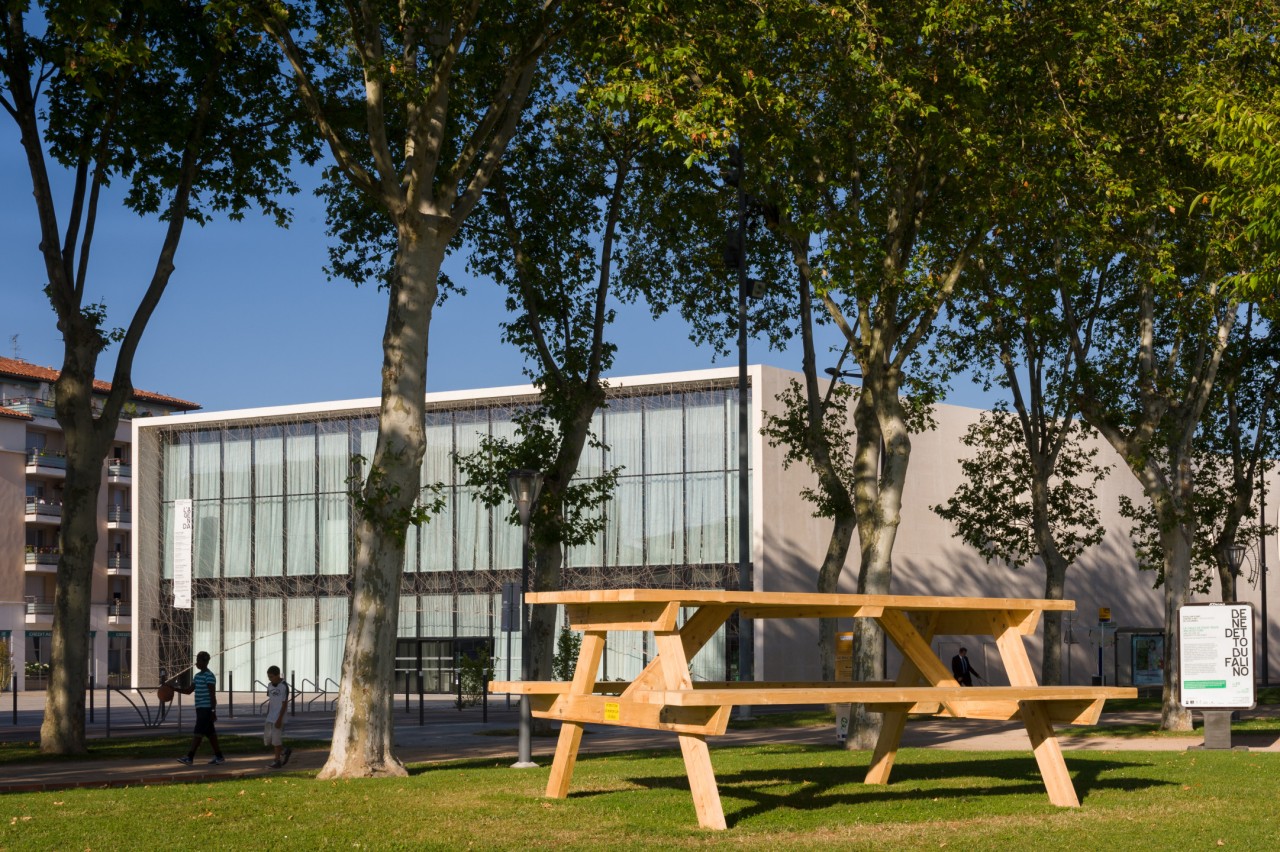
(183, 524)
(1216, 642)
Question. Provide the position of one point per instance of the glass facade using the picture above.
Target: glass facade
(273, 536)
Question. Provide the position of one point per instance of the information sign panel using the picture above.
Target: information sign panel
(183, 527)
(1216, 653)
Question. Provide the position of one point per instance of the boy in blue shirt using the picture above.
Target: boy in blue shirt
(204, 686)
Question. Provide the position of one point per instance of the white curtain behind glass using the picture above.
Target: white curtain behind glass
(333, 636)
(268, 472)
(407, 626)
(335, 465)
(237, 655)
(268, 646)
(301, 643)
(435, 538)
(237, 479)
(207, 531)
(206, 632)
(300, 504)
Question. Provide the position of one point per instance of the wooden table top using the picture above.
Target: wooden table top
(762, 602)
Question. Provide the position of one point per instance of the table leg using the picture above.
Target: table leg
(702, 781)
(904, 632)
(1035, 716)
(584, 681)
(566, 758)
(891, 728)
(1053, 768)
(674, 665)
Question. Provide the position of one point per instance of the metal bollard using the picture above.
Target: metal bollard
(231, 697)
(293, 692)
(15, 698)
(484, 698)
(108, 710)
(91, 698)
(421, 711)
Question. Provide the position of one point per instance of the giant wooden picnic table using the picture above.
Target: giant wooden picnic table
(664, 697)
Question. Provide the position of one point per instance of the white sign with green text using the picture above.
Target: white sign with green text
(1216, 652)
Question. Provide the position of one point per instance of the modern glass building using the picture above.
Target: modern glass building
(255, 502)
(271, 529)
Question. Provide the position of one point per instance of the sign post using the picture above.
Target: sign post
(1216, 655)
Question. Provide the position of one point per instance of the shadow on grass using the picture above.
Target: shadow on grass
(819, 787)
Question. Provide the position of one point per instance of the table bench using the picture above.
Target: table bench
(664, 697)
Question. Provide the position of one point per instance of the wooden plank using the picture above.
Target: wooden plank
(702, 782)
(552, 687)
(895, 719)
(709, 720)
(1053, 768)
(658, 615)
(1035, 717)
(979, 623)
(763, 694)
(696, 632)
(803, 600)
(584, 675)
(567, 745)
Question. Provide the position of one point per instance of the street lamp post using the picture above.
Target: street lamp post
(1235, 557)
(525, 485)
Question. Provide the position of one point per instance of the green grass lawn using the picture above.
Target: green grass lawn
(785, 797)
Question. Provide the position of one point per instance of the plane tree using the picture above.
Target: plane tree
(416, 105)
(1150, 320)
(168, 111)
(1028, 492)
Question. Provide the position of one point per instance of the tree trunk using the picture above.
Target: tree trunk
(1055, 572)
(548, 564)
(842, 530)
(62, 730)
(362, 728)
(877, 529)
(1176, 541)
(1055, 582)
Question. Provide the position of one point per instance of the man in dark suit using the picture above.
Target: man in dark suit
(964, 672)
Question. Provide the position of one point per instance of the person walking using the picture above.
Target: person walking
(961, 668)
(204, 687)
(277, 704)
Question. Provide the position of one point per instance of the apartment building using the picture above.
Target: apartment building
(32, 471)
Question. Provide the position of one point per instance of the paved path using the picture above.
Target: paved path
(448, 734)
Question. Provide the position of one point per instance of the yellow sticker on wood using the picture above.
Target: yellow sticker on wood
(611, 711)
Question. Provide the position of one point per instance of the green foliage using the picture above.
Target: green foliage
(377, 500)
(568, 644)
(474, 673)
(581, 516)
(789, 431)
(1209, 511)
(993, 509)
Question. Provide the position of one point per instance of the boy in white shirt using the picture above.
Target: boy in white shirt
(277, 704)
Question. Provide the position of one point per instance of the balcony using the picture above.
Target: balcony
(119, 472)
(39, 610)
(41, 462)
(43, 559)
(29, 405)
(118, 518)
(42, 511)
(119, 612)
(119, 563)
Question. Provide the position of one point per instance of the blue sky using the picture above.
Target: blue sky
(249, 318)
